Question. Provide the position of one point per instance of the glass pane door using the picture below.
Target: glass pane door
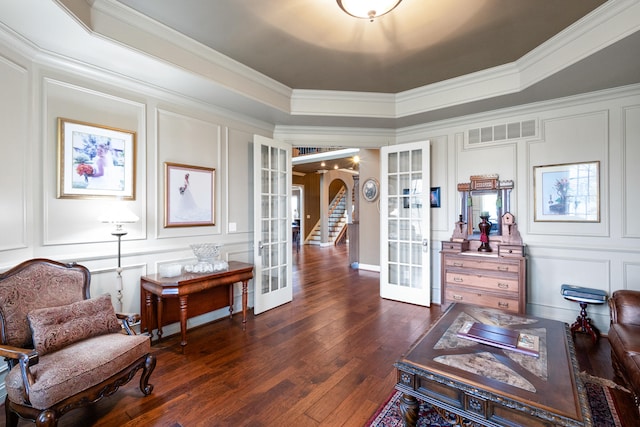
(272, 181)
(405, 208)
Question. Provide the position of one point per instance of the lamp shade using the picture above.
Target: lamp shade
(368, 9)
(118, 214)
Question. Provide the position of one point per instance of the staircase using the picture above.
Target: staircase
(336, 223)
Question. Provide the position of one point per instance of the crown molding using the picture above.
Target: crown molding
(496, 81)
(479, 119)
(611, 22)
(335, 136)
(342, 103)
(115, 21)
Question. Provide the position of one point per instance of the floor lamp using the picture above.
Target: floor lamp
(119, 215)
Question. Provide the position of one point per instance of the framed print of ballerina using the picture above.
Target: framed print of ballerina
(189, 195)
(95, 161)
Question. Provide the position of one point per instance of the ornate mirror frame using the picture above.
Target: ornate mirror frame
(484, 195)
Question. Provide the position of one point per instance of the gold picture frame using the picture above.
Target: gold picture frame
(189, 195)
(95, 161)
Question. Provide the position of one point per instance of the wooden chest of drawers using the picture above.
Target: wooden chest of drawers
(490, 280)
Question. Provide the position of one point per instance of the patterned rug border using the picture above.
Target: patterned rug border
(382, 409)
(388, 414)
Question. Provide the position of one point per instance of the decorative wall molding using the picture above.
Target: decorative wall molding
(630, 129)
(86, 104)
(631, 276)
(592, 272)
(15, 177)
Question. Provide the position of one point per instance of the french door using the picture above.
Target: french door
(272, 223)
(405, 207)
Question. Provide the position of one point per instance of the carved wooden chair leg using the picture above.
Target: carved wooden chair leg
(149, 366)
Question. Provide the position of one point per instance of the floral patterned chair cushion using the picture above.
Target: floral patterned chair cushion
(57, 327)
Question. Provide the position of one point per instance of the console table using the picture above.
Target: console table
(182, 286)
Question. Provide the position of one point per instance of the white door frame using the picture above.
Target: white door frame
(272, 224)
(405, 223)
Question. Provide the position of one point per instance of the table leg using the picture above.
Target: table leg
(583, 324)
(231, 301)
(148, 324)
(409, 408)
(159, 316)
(183, 320)
(244, 304)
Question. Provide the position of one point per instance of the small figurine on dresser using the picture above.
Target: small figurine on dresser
(510, 233)
(459, 231)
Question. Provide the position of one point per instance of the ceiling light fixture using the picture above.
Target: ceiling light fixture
(370, 9)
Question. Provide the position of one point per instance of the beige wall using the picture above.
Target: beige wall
(369, 213)
(311, 202)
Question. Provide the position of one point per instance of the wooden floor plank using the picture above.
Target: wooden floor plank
(323, 360)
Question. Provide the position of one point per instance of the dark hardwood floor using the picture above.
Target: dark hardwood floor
(325, 359)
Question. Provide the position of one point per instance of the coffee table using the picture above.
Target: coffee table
(472, 382)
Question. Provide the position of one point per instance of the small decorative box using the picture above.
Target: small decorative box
(170, 270)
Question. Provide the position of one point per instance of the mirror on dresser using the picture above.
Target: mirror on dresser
(484, 195)
(484, 262)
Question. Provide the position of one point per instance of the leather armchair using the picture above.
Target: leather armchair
(64, 349)
(624, 337)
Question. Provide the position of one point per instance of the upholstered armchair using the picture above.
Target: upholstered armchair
(64, 349)
(624, 338)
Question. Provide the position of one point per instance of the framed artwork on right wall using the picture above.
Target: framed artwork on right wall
(568, 192)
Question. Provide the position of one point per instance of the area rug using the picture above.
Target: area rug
(601, 401)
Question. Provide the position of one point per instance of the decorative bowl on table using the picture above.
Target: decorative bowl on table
(208, 262)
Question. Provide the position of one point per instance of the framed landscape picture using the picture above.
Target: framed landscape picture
(189, 195)
(95, 161)
(567, 192)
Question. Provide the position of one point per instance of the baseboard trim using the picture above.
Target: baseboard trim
(369, 267)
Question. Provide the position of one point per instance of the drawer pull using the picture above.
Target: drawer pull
(503, 304)
(510, 251)
(458, 264)
(501, 268)
(451, 247)
(457, 297)
(458, 279)
(503, 285)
